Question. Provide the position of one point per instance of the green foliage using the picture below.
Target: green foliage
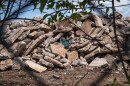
(107, 10)
(61, 8)
(118, 0)
(75, 16)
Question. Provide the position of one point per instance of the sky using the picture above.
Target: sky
(124, 10)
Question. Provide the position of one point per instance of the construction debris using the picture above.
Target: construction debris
(69, 43)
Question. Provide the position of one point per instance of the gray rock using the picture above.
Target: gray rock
(98, 62)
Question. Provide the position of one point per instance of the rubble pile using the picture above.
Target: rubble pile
(33, 43)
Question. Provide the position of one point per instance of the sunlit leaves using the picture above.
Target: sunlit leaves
(107, 10)
(62, 7)
(42, 5)
(75, 16)
(35, 4)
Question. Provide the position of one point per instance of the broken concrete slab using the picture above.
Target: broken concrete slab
(64, 60)
(46, 53)
(86, 26)
(53, 61)
(98, 62)
(33, 34)
(37, 56)
(119, 23)
(24, 35)
(68, 66)
(5, 64)
(98, 21)
(79, 33)
(14, 35)
(5, 54)
(64, 30)
(72, 55)
(39, 34)
(36, 67)
(45, 28)
(18, 47)
(34, 44)
(58, 49)
(45, 63)
(111, 60)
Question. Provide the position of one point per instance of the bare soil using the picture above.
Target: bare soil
(80, 76)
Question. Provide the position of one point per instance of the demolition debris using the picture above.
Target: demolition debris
(38, 46)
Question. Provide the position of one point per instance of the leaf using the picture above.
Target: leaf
(42, 5)
(107, 10)
(35, 5)
(118, 0)
(41, 8)
(98, 1)
(49, 20)
(58, 6)
(46, 15)
(75, 16)
(50, 6)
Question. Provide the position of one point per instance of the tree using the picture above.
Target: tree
(60, 8)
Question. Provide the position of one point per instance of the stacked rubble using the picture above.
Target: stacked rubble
(64, 44)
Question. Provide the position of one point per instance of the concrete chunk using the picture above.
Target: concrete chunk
(45, 63)
(33, 34)
(45, 27)
(58, 49)
(34, 44)
(110, 59)
(72, 55)
(86, 26)
(5, 54)
(53, 61)
(14, 36)
(98, 21)
(98, 62)
(24, 35)
(37, 56)
(5, 64)
(18, 47)
(35, 66)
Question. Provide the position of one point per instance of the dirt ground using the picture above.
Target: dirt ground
(80, 76)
